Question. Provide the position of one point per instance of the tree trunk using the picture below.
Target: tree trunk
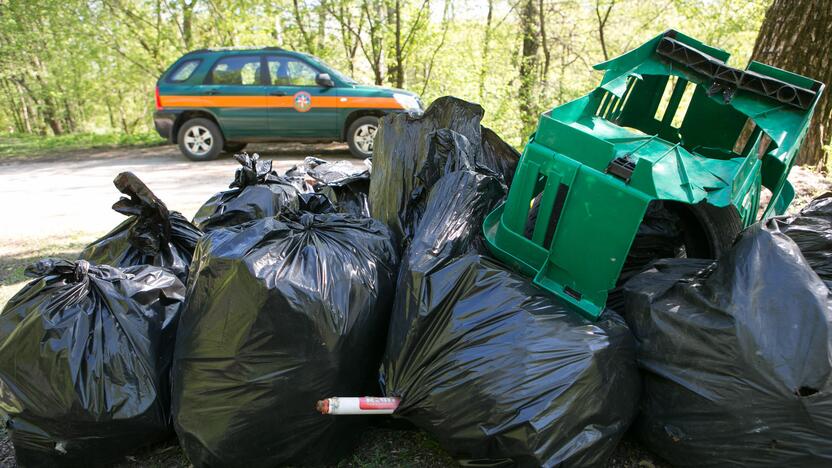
(795, 36)
(27, 110)
(394, 75)
(69, 119)
(187, 22)
(529, 63)
(486, 44)
(321, 35)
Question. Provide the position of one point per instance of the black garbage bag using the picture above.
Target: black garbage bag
(493, 367)
(85, 354)
(345, 183)
(736, 356)
(151, 235)
(281, 313)
(403, 143)
(811, 229)
(256, 192)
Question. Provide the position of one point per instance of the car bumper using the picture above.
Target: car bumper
(163, 121)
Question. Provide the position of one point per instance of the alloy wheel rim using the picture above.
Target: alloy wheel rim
(199, 140)
(364, 136)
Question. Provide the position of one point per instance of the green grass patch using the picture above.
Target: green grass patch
(24, 145)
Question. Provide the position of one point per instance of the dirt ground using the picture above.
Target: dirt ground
(54, 206)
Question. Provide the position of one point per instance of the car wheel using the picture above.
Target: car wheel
(200, 139)
(233, 148)
(360, 136)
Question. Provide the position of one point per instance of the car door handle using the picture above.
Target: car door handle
(277, 93)
(212, 92)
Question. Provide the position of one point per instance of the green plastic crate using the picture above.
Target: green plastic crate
(670, 121)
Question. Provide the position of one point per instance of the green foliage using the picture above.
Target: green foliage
(91, 65)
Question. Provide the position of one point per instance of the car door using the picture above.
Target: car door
(298, 106)
(234, 90)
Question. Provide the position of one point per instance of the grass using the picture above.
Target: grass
(378, 448)
(24, 145)
(16, 255)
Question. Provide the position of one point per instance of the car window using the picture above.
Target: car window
(243, 70)
(285, 71)
(184, 70)
(333, 71)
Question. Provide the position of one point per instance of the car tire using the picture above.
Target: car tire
(360, 136)
(233, 148)
(720, 227)
(200, 139)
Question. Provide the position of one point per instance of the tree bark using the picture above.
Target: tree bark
(486, 44)
(529, 64)
(796, 35)
(398, 67)
(187, 22)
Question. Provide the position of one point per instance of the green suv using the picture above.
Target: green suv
(218, 100)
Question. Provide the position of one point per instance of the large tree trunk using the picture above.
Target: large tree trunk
(796, 35)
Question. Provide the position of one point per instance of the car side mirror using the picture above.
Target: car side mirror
(323, 79)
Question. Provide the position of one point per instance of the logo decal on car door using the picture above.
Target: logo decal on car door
(302, 101)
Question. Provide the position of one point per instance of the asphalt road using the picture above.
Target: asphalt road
(73, 193)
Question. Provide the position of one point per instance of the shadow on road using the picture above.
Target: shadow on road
(290, 150)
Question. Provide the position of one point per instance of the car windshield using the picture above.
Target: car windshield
(332, 70)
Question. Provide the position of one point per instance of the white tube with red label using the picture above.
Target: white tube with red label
(358, 405)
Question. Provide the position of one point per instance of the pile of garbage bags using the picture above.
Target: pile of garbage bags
(737, 355)
(342, 279)
(495, 368)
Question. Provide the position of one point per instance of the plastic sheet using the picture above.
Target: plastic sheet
(281, 313)
(345, 183)
(811, 229)
(496, 369)
(736, 356)
(256, 192)
(85, 353)
(403, 143)
(151, 235)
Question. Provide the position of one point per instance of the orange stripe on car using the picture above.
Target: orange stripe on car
(279, 101)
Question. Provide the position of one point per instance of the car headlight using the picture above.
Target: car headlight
(408, 102)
